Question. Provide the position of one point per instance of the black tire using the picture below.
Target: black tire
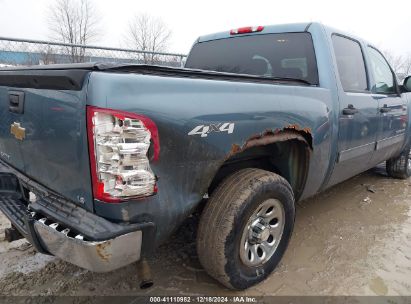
(399, 167)
(223, 221)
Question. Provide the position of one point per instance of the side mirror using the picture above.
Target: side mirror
(407, 84)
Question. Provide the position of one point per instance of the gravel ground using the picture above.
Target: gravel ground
(354, 239)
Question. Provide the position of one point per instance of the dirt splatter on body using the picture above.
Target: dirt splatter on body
(341, 246)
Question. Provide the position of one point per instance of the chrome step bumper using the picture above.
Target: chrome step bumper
(97, 256)
(54, 225)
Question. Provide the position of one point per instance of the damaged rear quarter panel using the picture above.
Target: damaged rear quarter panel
(188, 163)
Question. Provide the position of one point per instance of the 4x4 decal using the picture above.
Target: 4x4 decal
(204, 130)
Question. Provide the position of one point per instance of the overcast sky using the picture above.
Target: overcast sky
(387, 24)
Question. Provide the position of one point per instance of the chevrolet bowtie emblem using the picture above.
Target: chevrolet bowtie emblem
(17, 131)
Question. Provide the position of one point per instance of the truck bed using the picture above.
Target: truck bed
(70, 76)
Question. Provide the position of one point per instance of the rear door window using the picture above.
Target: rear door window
(350, 64)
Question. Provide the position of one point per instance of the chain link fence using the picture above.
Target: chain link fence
(19, 52)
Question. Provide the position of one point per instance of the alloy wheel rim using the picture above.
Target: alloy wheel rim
(262, 233)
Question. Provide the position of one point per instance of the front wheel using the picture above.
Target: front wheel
(400, 167)
(245, 227)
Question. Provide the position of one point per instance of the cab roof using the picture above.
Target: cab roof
(270, 29)
(283, 28)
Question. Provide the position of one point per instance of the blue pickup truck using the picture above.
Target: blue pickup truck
(99, 163)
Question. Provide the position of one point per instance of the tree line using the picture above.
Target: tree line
(77, 22)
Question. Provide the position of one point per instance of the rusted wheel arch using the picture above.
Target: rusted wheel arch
(287, 152)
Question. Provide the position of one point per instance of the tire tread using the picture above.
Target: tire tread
(218, 218)
(398, 167)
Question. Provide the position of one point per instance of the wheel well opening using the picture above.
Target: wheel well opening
(288, 158)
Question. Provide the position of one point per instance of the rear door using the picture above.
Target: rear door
(392, 107)
(358, 110)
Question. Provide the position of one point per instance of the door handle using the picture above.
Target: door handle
(385, 109)
(350, 110)
(16, 102)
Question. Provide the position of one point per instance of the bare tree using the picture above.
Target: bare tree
(400, 64)
(74, 22)
(407, 65)
(396, 62)
(148, 33)
(47, 56)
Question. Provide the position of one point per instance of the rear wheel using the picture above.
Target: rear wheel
(400, 167)
(245, 227)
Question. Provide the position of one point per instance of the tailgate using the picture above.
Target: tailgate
(43, 129)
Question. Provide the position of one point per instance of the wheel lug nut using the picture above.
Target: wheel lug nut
(258, 231)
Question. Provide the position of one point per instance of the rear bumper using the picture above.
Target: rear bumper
(99, 256)
(59, 227)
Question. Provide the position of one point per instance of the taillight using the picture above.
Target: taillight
(247, 30)
(121, 146)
